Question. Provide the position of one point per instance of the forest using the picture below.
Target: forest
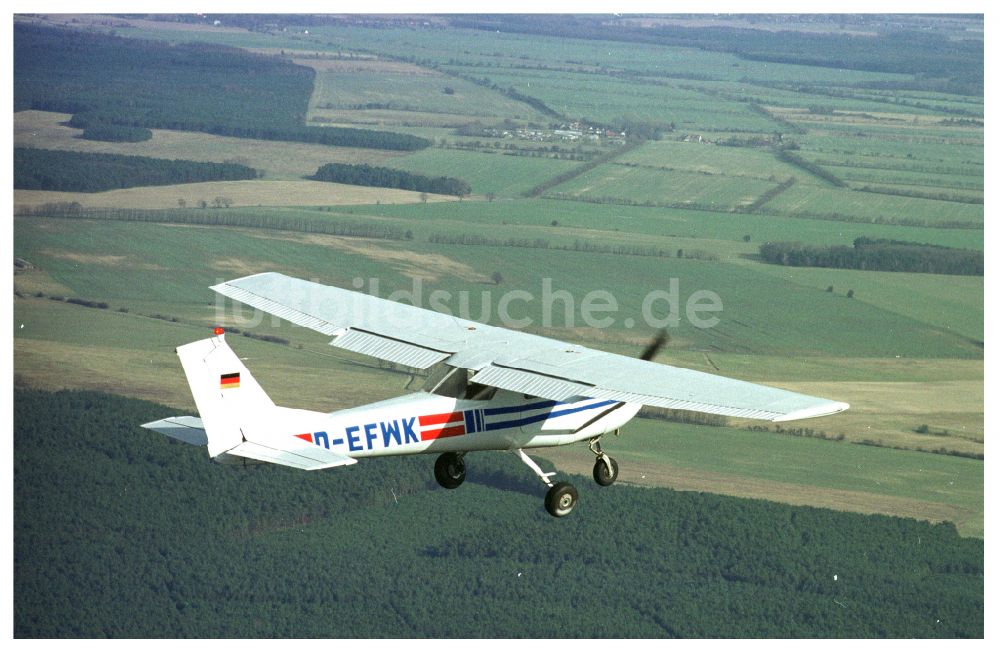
(116, 133)
(379, 176)
(63, 170)
(107, 80)
(121, 532)
(877, 255)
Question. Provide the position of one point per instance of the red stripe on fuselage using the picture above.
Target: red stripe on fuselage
(305, 437)
(438, 419)
(441, 433)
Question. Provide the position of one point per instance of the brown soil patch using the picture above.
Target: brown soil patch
(428, 267)
(114, 261)
(242, 266)
(37, 280)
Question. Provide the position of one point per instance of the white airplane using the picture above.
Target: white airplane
(488, 388)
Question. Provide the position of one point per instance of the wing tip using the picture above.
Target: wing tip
(815, 411)
(234, 281)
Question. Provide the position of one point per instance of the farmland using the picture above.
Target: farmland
(360, 84)
(274, 160)
(571, 145)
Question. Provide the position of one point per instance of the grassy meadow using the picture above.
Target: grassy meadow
(905, 349)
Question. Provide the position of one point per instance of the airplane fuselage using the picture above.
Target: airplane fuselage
(429, 423)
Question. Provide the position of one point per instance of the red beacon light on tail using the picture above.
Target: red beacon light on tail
(219, 331)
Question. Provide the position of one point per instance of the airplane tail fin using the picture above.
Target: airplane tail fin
(237, 418)
(225, 392)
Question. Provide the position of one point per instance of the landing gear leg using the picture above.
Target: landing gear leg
(605, 468)
(562, 496)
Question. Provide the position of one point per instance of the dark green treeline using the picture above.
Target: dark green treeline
(120, 532)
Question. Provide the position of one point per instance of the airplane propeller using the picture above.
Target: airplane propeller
(661, 339)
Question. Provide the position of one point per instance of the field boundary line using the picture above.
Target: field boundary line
(580, 170)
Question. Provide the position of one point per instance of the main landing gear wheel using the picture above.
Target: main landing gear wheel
(561, 499)
(449, 470)
(602, 475)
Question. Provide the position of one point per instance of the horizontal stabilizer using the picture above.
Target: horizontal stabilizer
(188, 429)
(286, 452)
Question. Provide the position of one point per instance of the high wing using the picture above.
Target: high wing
(508, 359)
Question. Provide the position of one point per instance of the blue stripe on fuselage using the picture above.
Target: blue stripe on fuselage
(491, 411)
(542, 417)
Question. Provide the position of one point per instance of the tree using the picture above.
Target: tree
(182, 203)
(850, 293)
(497, 277)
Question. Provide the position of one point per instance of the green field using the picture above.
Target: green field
(386, 85)
(706, 157)
(611, 100)
(64, 250)
(904, 147)
(906, 350)
(676, 188)
(817, 201)
(853, 477)
(914, 179)
(503, 175)
(582, 219)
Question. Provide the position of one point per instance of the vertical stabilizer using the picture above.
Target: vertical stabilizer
(226, 394)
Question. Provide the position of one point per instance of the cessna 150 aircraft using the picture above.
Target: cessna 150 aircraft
(488, 388)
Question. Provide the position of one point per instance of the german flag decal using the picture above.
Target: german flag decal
(230, 381)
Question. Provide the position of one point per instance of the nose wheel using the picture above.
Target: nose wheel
(605, 471)
(605, 468)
